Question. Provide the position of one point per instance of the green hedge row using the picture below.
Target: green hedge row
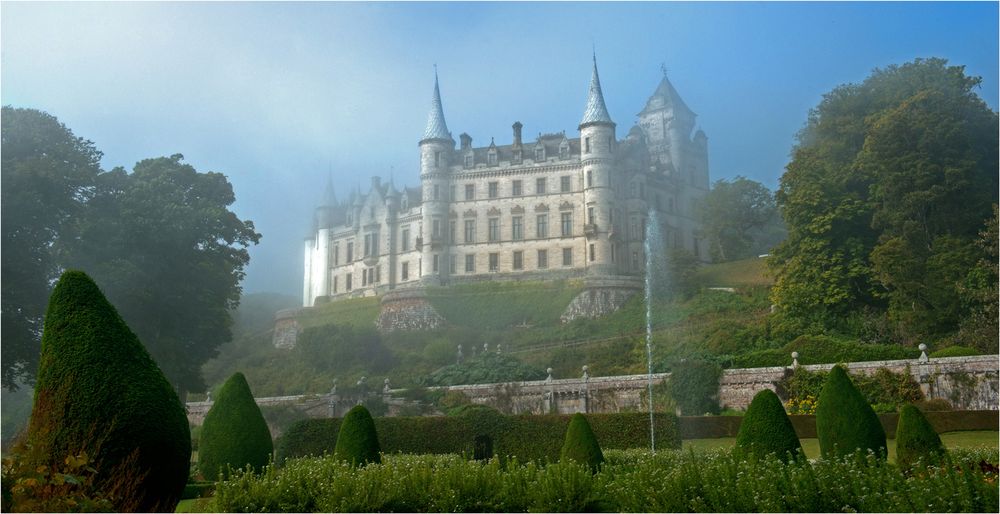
(525, 437)
(824, 350)
(713, 427)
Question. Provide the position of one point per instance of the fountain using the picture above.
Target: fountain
(655, 286)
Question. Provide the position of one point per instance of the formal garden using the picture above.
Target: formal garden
(107, 432)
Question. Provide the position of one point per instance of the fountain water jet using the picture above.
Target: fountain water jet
(655, 284)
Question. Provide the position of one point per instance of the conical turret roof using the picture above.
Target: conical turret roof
(666, 97)
(436, 126)
(596, 111)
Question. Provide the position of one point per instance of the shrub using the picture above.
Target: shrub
(885, 389)
(915, 438)
(824, 350)
(844, 420)
(357, 442)
(954, 351)
(694, 385)
(767, 429)
(234, 433)
(580, 445)
(99, 391)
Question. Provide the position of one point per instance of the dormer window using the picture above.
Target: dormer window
(517, 156)
(468, 160)
(539, 153)
(437, 159)
(491, 157)
(564, 149)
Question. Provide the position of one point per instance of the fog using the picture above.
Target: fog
(278, 96)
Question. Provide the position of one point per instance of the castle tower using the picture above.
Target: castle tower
(667, 122)
(317, 251)
(436, 149)
(597, 146)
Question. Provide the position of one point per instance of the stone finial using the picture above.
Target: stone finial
(333, 390)
(486, 348)
(208, 396)
(586, 372)
(923, 353)
(460, 356)
(498, 349)
(795, 359)
(385, 385)
(549, 371)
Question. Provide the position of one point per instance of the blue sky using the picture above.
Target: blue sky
(275, 94)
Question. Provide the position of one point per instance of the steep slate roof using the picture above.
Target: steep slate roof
(596, 111)
(436, 127)
(666, 92)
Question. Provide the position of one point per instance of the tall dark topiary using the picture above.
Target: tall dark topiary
(915, 438)
(99, 391)
(581, 445)
(766, 428)
(844, 420)
(234, 433)
(357, 442)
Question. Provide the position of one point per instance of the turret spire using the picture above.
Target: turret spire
(596, 111)
(436, 127)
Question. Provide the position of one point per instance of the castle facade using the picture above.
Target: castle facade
(556, 207)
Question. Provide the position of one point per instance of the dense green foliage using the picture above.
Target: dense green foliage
(629, 481)
(766, 428)
(694, 386)
(819, 349)
(47, 175)
(884, 390)
(915, 438)
(486, 368)
(357, 440)
(501, 305)
(581, 445)
(954, 351)
(885, 197)
(525, 437)
(844, 420)
(100, 392)
(740, 219)
(234, 434)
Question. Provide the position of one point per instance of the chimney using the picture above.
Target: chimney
(466, 141)
(517, 133)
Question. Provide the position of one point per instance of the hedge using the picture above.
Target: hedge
(525, 437)
(824, 350)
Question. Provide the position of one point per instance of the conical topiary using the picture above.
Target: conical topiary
(98, 391)
(844, 420)
(357, 442)
(915, 438)
(234, 433)
(766, 428)
(580, 444)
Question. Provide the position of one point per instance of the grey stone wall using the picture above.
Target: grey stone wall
(286, 328)
(602, 296)
(407, 309)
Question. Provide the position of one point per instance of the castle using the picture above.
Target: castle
(556, 207)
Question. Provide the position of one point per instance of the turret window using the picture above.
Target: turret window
(437, 192)
(437, 159)
(586, 145)
(591, 219)
(590, 178)
(436, 229)
(336, 254)
(350, 258)
(405, 273)
(593, 253)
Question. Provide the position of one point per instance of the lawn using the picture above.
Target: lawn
(951, 440)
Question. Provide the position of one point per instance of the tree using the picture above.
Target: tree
(580, 444)
(357, 442)
(766, 428)
(171, 255)
(739, 218)
(100, 392)
(979, 293)
(889, 183)
(234, 433)
(47, 174)
(915, 438)
(845, 422)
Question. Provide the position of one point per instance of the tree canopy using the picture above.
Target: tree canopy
(740, 219)
(888, 189)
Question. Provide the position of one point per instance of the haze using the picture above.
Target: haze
(277, 95)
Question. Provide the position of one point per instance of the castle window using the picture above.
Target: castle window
(436, 229)
(334, 283)
(590, 178)
(494, 262)
(586, 145)
(493, 189)
(611, 144)
(539, 153)
(543, 259)
(468, 161)
(516, 230)
(348, 281)
(470, 192)
(540, 186)
(517, 156)
(494, 229)
(434, 266)
(451, 232)
(564, 184)
(437, 192)
(470, 263)
(491, 157)
(564, 150)
(364, 278)
(566, 222)
(518, 260)
(437, 159)
(406, 240)
(350, 255)
(451, 194)
(567, 256)
(336, 254)
(593, 253)
(590, 216)
(378, 274)
(542, 226)
(405, 274)
(452, 263)
(470, 231)
(515, 188)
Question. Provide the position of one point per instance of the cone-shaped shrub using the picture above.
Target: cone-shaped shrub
(915, 438)
(766, 428)
(580, 444)
(357, 442)
(844, 420)
(234, 433)
(99, 391)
